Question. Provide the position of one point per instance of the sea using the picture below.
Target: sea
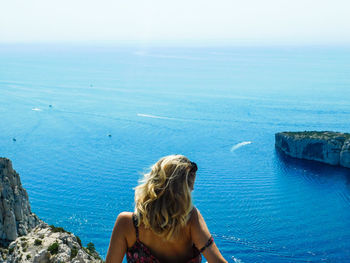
(82, 123)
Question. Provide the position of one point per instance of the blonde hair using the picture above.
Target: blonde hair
(163, 199)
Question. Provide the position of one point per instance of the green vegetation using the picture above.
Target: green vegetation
(58, 229)
(91, 247)
(53, 248)
(11, 250)
(24, 244)
(37, 242)
(73, 252)
(323, 135)
(79, 241)
(28, 256)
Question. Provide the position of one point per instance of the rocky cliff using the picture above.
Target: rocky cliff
(48, 244)
(327, 147)
(16, 218)
(26, 238)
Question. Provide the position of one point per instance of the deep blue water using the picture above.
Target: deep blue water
(259, 205)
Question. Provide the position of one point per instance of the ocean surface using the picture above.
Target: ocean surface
(88, 120)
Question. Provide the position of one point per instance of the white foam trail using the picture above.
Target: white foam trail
(239, 145)
(236, 260)
(36, 109)
(154, 117)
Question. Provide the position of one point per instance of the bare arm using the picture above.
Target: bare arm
(118, 244)
(200, 235)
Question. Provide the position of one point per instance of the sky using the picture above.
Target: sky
(231, 21)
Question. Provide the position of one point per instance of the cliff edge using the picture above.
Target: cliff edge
(26, 238)
(323, 146)
(16, 218)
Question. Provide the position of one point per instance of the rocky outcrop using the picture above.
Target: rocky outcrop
(49, 244)
(328, 147)
(16, 218)
(26, 238)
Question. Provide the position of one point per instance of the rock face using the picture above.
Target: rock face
(49, 244)
(26, 238)
(328, 147)
(16, 218)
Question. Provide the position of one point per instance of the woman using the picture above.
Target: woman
(165, 226)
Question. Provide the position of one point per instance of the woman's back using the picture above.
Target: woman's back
(165, 226)
(144, 242)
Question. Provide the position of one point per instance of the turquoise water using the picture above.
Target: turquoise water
(201, 102)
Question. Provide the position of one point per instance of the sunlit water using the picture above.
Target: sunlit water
(219, 106)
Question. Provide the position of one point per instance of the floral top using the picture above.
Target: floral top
(140, 253)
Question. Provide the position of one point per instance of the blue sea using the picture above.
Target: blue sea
(89, 120)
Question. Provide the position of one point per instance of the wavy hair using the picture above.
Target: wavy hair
(163, 199)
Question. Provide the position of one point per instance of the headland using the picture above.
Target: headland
(323, 146)
(26, 238)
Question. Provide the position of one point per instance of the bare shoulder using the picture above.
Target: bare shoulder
(196, 217)
(124, 220)
(119, 239)
(124, 216)
(199, 230)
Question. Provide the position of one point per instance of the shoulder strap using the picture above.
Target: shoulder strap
(134, 220)
(209, 242)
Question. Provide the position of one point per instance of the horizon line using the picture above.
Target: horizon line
(180, 43)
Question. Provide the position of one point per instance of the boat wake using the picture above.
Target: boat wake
(155, 117)
(36, 109)
(236, 260)
(239, 145)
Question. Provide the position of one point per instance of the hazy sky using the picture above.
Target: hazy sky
(260, 21)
